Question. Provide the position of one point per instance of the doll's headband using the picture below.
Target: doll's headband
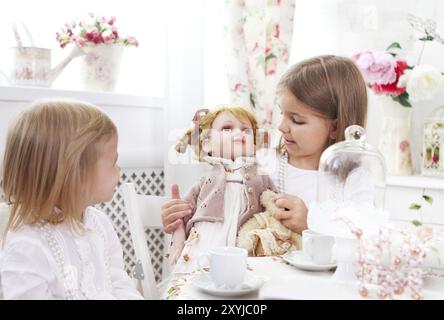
(196, 119)
(199, 114)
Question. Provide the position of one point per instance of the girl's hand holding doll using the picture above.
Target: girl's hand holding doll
(294, 212)
(174, 210)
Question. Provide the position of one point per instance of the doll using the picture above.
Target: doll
(229, 194)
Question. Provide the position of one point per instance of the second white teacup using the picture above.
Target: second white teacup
(317, 247)
(228, 265)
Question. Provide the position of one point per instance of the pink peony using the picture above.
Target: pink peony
(392, 89)
(377, 67)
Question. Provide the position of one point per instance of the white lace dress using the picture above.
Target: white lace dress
(213, 234)
(53, 262)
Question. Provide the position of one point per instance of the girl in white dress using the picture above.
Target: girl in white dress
(319, 98)
(60, 160)
(229, 194)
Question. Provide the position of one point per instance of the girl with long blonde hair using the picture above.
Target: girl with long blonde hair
(60, 160)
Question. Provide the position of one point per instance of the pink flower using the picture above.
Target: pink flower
(78, 41)
(111, 21)
(108, 39)
(277, 31)
(404, 145)
(115, 33)
(392, 89)
(377, 67)
(271, 65)
(132, 41)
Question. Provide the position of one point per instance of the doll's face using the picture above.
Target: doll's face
(229, 138)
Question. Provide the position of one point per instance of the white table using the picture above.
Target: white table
(287, 282)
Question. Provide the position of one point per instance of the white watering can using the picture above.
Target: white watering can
(32, 65)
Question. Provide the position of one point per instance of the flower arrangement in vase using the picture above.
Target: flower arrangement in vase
(92, 32)
(103, 46)
(390, 76)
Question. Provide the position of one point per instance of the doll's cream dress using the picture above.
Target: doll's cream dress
(214, 234)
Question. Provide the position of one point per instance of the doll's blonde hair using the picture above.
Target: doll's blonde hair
(203, 121)
(50, 156)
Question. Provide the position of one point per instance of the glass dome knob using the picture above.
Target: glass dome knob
(355, 133)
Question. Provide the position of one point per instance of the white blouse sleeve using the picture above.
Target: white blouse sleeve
(123, 286)
(25, 272)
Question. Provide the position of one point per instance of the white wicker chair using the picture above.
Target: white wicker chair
(143, 212)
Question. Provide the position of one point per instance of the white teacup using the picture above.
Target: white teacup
(228, 265)
(317, 247)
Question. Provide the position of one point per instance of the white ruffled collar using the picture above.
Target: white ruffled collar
(238, 163)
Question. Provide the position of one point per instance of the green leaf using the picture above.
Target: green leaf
(427, 38)
(394, 45)
(429, 199)
(415, 206)
(270, 56)
(434, 249)
(416, 223)
(252, 100)
(403, 99)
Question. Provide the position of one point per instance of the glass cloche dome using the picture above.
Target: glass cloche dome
(351, 187)
(350, 196)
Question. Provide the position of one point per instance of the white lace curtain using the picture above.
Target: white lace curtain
(259, 39)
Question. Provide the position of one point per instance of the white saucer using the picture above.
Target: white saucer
(301, 261)
(251, 283)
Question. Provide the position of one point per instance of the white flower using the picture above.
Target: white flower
(422, 82)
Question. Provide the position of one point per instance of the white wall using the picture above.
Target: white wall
(138, 119)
